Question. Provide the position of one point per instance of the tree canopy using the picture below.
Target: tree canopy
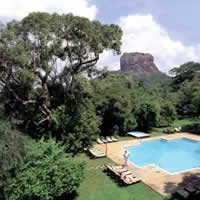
(185, 72)
(44, 48)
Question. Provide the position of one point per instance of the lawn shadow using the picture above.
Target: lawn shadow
(71, 196)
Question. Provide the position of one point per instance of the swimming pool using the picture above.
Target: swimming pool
(173, 156)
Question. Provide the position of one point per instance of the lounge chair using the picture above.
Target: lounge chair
(109, 168)
(178, 129)
(96, 153)
(114, 139)
(94, 150)
(118, 167)
(100, 155)
(104, 140)
(113, 167)
(99, 141)
(122, 174)
(181, 193)
(196, 194)
(168, 131)
(126, 173)
(130, 179)
(118, 170)
(190, 189)
(108, 139)
(189, 192)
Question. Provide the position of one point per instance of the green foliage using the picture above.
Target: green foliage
(147, 114)
(187, 102)
(48, 172)
(186, 84)
(196, 100)
(125, 106)
(83, 129)
(12, 152)
(149, 79)
(113, 103)
(167, 114)
(77, 131)
(76, 124)
(127, 122)
(185, 72)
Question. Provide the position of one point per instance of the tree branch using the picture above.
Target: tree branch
(45, 111)
(92, 62)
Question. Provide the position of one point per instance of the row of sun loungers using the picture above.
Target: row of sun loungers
(188, 193)
(107, 139)
(122, 174)
(96, 153)
(170, 131)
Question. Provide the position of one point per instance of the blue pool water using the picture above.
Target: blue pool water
(173, 156)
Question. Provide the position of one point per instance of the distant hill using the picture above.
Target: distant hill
(141, 67)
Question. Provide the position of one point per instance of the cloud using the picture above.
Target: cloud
(17, 9)
(108, 60)
(142, 34)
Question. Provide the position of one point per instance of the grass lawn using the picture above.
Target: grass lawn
(185, 122)
(97, 185)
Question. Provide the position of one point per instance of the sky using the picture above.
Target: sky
(168, 29)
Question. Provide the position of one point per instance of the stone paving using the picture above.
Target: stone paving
(156, 178)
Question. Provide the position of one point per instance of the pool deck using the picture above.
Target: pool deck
(158, 179)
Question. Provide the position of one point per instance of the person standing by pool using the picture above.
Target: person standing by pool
(125, 156)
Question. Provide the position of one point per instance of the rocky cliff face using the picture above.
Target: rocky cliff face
(138, 64)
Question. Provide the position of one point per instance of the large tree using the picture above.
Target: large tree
(114, 104)
(186, 72)
(186, 85)
(43, 48)
(76, 124)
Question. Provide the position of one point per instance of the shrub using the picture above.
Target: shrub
(48, 172)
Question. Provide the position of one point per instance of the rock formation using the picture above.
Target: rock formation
(138, 64)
